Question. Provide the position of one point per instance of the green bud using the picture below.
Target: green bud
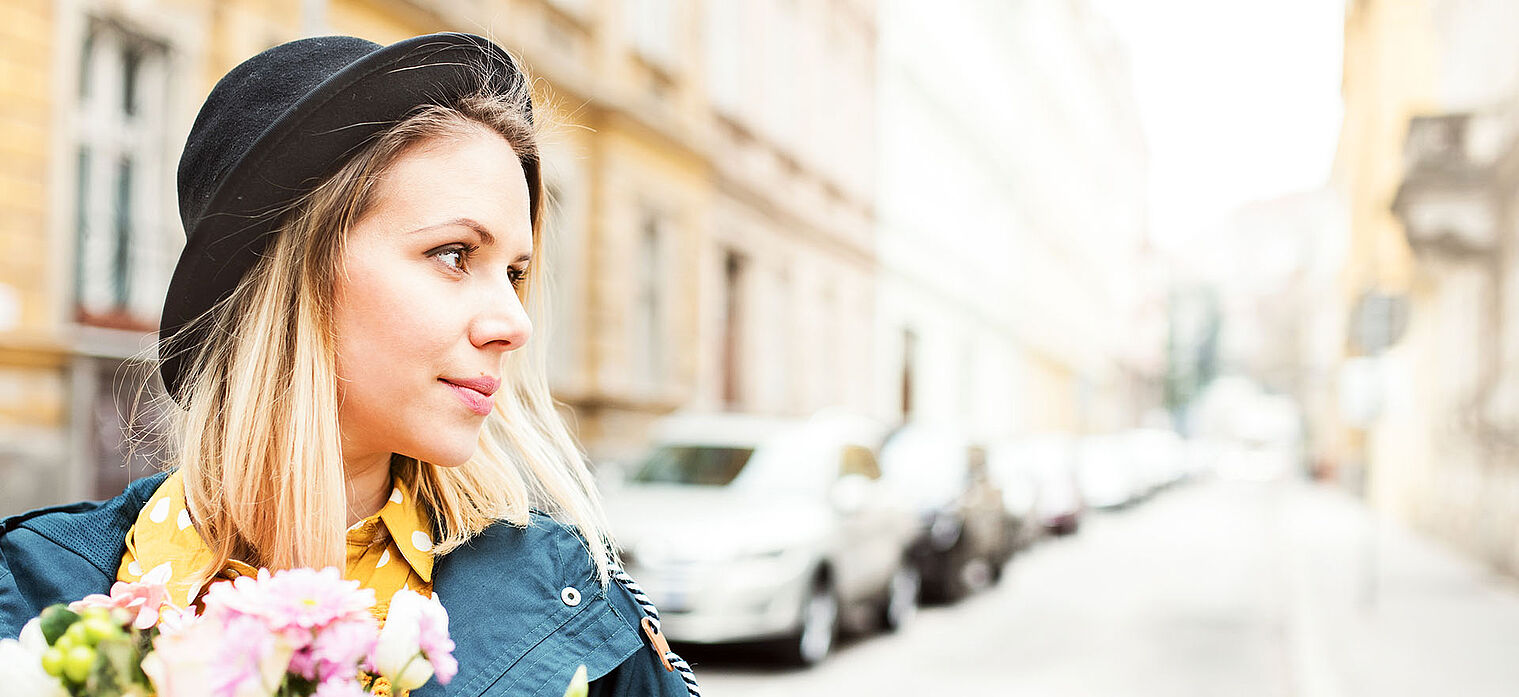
(98, 628)
(77, 662)
(76, 634)
(52, 661)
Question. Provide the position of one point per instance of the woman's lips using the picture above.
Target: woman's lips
(476, 401)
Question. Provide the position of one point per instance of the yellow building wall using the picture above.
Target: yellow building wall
(1389, 77)
(26, 125)
(381, 22)
(1390, 68)
(1052, 396)
(32, 389)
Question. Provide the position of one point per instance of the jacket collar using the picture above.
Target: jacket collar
(526, 596)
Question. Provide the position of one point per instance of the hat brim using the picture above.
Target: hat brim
(308, 143)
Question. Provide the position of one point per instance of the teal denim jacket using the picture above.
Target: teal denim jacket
(517, 631)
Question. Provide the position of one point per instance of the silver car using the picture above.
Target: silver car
(748, 529)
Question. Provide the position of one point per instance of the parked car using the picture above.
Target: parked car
(1106, 473)
(1012, 474)
(1047, 460)
(1158, 455)
(961, 529)
(1202, 456)
(748, 529)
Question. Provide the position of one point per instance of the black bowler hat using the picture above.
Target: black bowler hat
(276, 126)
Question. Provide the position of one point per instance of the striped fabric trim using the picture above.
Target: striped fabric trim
(644, 602)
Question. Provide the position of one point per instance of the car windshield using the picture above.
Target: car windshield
(701, 465)
(787, 462)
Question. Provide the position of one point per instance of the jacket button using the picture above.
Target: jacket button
(570, 596)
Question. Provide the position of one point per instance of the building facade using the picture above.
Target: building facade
(1430, 161)
(1012, 223)
(710, 236)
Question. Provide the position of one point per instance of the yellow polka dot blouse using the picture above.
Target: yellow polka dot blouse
(163, 535)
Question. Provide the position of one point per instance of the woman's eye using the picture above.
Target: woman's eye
(517, 276)
(460, 254)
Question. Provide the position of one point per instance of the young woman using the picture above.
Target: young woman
(347, 340)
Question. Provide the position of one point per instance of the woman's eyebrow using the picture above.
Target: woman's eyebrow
(486, 238)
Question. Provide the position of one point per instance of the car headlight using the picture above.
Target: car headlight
(763, 554)
(769, 563)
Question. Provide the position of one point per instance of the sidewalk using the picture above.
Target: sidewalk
(1427, 621)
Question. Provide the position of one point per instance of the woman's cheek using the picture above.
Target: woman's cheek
(405, 299)
(426, 314)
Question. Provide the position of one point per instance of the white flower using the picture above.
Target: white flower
(397, 655)
(31, 636)
(414, 642)
(22, 675)
(578, 683)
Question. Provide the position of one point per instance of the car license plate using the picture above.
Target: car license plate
(673, 596)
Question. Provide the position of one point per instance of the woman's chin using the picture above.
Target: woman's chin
(450, 456)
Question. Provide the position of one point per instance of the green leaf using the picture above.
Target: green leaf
(579, 686)
(294, 686)
(56, 620)
(143, 639)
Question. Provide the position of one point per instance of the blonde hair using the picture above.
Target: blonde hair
(261, 407)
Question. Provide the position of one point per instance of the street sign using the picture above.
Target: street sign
(1378, 321)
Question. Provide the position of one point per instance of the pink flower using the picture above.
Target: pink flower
(252, 661)
(436, 646)
(174, 619)
(144, 599)
(294, 601)
(336, 651)
(217, 656)
(257, 629)
(183, 661)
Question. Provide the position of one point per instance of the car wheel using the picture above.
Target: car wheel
(976, 575)
(999, 567)
(957, 574)
(901, 598)
(820, 625)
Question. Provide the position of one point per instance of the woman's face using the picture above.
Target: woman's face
(429, 299)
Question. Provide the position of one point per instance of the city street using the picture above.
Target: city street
(1214, 588)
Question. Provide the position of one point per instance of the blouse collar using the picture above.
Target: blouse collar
(163, 535)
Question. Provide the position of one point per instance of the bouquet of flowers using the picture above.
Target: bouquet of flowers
(296, 633)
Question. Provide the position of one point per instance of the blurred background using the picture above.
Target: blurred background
(1038, 347)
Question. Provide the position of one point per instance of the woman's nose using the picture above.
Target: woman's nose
(502, 322)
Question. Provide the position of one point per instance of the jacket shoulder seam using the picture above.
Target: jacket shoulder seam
(565, 536)
(20, 520)
(108, 572)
